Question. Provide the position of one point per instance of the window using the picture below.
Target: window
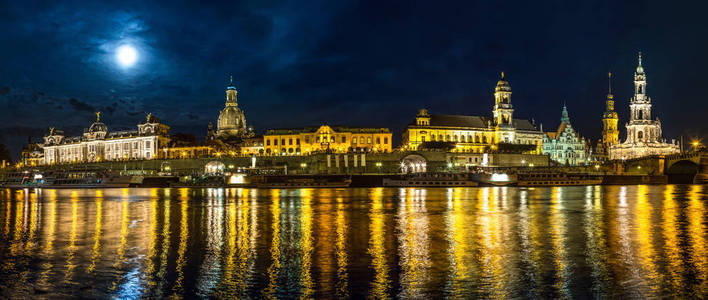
(386, 140)
(290, 142)
(297, 141)
(368, 140)
(282, 142)
(135, 145)
(331, 139)
(354, 140)
(378, 140)
(275, 142)
(147, 145)
(344, 139)
(267, 142)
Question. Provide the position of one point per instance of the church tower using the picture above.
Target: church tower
(503, 110)
(610, 132)
(232, 121)
(641, 128)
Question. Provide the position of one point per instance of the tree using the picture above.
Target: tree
(5, 154)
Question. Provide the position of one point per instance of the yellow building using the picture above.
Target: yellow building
(610, 131)
(336, 139)
(476, 134)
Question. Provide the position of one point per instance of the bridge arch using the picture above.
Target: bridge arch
(682, 172)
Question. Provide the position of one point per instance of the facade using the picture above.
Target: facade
(32, 154)
(98, 144)
(334, 139)
(252, 146)
(643, 133)
(232, 121)
(565, 145)
(476, 134)
(610, 120)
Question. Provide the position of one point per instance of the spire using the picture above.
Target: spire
(564, 114)
(640, 69)
(609, 83)
(502, 75)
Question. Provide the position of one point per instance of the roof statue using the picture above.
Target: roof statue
(98, 116)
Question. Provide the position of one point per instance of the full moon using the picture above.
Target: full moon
(126, 55)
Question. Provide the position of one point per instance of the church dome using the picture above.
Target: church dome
(502, 85)
(98, 127)
(231, 118)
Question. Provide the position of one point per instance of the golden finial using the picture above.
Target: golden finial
(51, 130)
(149, 115)
(640, 58)
(231, 79)
(502, 75)
(98, 116)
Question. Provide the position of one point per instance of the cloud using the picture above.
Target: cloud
(80, 106)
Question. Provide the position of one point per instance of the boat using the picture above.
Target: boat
(22, 179)
(86, 179)
(430, 180)
(299, 181)
(494, 178)
(557, 179)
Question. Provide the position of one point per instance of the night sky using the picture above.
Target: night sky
(301, 63)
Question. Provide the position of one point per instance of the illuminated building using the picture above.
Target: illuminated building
(232, 121)
(475, 134)
(97, 144)
(336, 139)
(32, 154)
(643, 133)
(610, 131)
(565, 145)
(197, 151)
(252, 146)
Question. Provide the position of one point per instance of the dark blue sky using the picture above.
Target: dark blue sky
(374, 63)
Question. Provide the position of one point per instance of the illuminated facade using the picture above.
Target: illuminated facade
(97, 144)
(643, 133)
(232, 121)
(610, 131)
(565, 145)
(336, 139)
(475, 134)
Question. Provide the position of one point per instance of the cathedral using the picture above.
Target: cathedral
(476, 134)
(565, 145)
(643, 133)
(231, 125)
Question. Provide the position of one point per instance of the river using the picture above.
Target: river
(559, 242)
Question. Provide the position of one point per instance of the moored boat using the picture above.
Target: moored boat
(557, 179)
(429, 180)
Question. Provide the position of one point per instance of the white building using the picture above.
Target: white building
(643, 133)
(565, 145)
(97, 144)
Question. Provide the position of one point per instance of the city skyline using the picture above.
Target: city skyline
(370, 78)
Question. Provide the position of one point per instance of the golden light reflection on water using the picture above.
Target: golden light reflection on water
(488, 242)
(380, 283)
(697, 235)
(274, 268)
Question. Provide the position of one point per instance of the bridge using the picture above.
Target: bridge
(687, 167)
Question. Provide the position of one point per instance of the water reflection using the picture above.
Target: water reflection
(563, 242)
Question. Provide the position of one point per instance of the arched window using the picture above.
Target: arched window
(640, 135)
(641, 90)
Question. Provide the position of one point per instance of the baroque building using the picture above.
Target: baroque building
(334, 139)
(476, 134)
(643, 133)
(610, 120)
(231, 125)
(98, 144)
(565, 145)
